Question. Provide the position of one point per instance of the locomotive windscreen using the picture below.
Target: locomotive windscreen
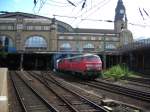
(91, 58)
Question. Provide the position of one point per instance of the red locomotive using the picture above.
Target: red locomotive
(87, 65)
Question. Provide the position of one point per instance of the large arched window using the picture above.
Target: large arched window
(6, 43)
(35, 42)
(65, 46)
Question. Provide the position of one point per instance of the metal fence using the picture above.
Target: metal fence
(137, 45)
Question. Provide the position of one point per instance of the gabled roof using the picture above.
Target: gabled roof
(62, 27)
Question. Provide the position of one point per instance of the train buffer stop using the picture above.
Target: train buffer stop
(3, 90)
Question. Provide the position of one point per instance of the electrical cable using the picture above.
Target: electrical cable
(108, 21)
(94, 11)
(89, 11)
(58, 5)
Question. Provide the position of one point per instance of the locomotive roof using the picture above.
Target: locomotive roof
(84, 55)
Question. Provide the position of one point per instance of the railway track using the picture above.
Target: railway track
(14, 104)
(140, 95)
(142, 85)
(145, 81)
(74, 101)
(31, 100)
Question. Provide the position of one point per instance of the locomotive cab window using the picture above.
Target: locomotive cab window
(91, 58)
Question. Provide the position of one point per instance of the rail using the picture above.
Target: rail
(29, 98)
(140, 95)
(72, 99)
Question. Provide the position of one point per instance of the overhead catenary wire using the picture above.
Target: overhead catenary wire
(102, 20)
(70, 2)
(100, 6)
(82, 13)
(42, 4)
(141, 13)
(145, 12)
(57, 4)
(54, 1)
(91, 8)
(142, 25)
(64, 16)
(35, 3)
(84, 3)
(61, 4)
(87, 13)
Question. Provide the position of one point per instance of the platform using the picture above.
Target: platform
(3, 90)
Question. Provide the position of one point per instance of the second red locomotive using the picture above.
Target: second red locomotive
(87, 65)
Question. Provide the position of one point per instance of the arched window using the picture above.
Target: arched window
(88, 47)
(65, 46)
(6, 43)
(35, 42)
(110, 46)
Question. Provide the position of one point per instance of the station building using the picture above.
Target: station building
(24, 32)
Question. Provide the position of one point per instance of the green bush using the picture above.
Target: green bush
(117, 72)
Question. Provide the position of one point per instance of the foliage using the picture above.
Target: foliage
(117, 72)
